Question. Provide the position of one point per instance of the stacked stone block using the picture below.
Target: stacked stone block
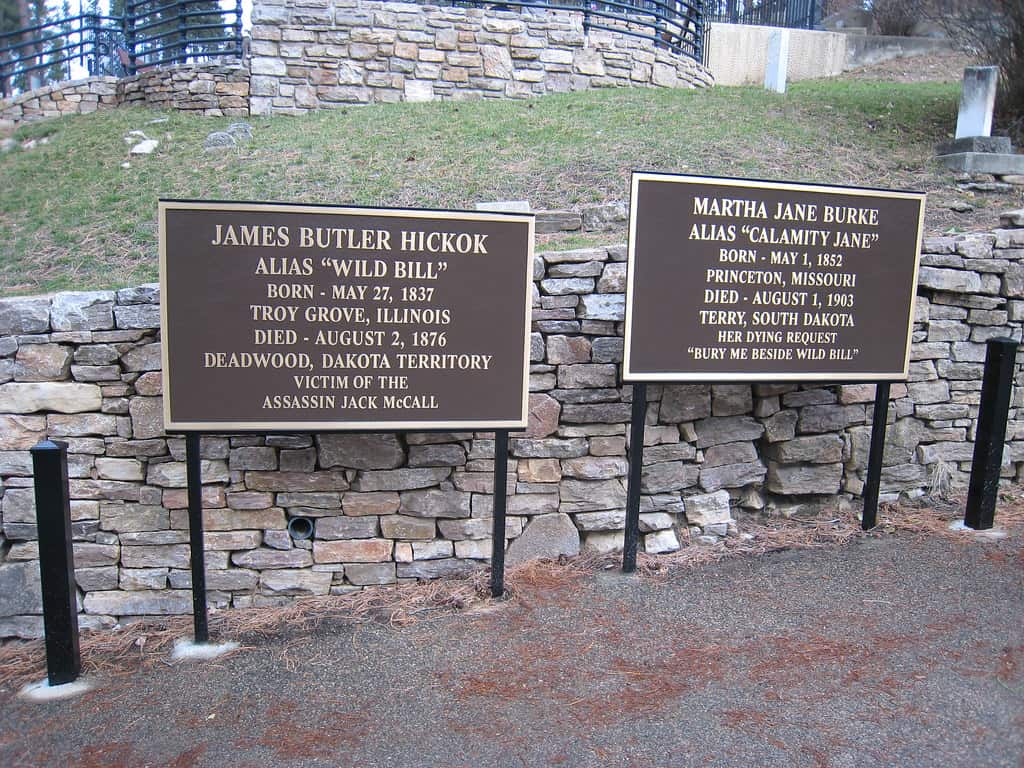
(334, 53)
(387, 508)
(212, 90)
(72, 97)
(325, 55)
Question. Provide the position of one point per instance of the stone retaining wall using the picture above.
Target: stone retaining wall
(324, 55)
(73, 97)
(335, 52)
(213, 89)
(85, 368)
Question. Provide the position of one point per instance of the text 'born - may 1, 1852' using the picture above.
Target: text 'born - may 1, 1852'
(733, 280)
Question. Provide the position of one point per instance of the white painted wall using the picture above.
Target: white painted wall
(738, 54)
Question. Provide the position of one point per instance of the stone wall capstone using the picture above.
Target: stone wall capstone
(215, 90)
(344, 52)
(85, 368)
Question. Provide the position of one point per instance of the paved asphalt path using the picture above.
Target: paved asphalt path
(896, 650)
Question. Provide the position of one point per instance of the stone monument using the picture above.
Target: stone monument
(975, 149)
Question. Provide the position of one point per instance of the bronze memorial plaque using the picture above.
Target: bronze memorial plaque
(280, 317)
(738, 280)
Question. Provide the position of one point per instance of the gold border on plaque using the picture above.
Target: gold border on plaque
(631, 376)
(340, 426)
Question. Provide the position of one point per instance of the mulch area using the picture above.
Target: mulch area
(148, 642)
(811, 643)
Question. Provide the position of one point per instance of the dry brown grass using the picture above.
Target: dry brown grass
(936, 516)
(770, 535)
(149, 641)
(538, 582)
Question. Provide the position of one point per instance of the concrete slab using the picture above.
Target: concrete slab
(982, 162)
(505, 206)
(990, 534)
(989, 144)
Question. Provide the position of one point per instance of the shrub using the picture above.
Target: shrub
(894, 17)
(993, 32)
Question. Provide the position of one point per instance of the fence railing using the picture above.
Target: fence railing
(152, 32)
(48, 51)
(794, 14)
(176, 31)
(676, 25)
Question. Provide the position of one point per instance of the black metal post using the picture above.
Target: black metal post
(194, 478)
(128, 24)
(814, 15)
(56, 561)
(701, 49)
(636, 465)
(183, 31)
(94, 52)
(238, 28)
(1000, 359)
(80, 33)
(500, 498)
(869, 518)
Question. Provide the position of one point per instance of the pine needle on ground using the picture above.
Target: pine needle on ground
(149, 642)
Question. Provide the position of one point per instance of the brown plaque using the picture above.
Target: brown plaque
(282, 317)
(737, 280)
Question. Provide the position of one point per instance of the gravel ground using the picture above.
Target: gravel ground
(897, 650)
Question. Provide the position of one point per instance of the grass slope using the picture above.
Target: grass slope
(72, 217)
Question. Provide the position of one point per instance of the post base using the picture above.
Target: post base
(41, 691)
(187, 650)
(992, 534)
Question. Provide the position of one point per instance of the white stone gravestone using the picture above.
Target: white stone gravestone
(977, 101)
(975, 149)
(778, 59)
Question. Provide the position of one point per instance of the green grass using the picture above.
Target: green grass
(72, 217)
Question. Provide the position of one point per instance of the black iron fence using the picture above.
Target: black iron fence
(49, 51)
(794, 14)
(151, 32)
(162, 32)
(676, 25)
